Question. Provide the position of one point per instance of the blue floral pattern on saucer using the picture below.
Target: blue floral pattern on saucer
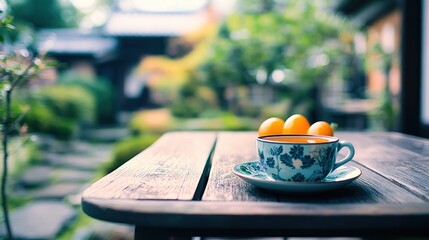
(253, 173)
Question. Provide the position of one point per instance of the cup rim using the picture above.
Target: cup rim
(331, 139)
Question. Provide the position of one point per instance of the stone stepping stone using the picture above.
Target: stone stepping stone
(40, 220)
(105, 135)
(101, 150)
(71, 176)
(73, 161)
(35, 176)
(80, 147)
(57, 191)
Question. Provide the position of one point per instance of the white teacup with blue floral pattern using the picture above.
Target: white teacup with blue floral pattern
(301, 158)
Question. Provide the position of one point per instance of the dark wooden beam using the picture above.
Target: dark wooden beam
(411, 66)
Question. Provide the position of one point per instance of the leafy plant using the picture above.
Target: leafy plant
(44, 13)
(292, 46)
(99, 88)
(16, 67)
(59, 110)
(193, 100)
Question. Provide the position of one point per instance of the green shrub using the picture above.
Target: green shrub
(128, 148)
(99, 88)
(70, 102)
(41, 119)
(188, 108)
(58, 110)
(194, 99)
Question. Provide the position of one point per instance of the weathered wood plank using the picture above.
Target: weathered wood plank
(382, 201)
(265, 218)
(233, 148)
(392, 158)
(169, 169)
(407, 142)
(224, 185)
(368, 188)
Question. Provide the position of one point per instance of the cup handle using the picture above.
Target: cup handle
(349, 157)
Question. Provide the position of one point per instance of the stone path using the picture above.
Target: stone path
(53, 188)
(40, 220)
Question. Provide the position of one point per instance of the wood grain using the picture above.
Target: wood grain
(170, 169)
(232, 149)
(368, 188)
(223, 185)
(396, 157)
(165, 191)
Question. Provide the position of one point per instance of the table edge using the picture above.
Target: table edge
(253, 215)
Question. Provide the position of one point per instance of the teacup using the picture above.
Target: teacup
(301, 158)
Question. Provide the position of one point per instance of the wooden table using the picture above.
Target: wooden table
(183, 186)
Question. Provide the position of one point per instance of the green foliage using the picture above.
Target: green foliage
(16, 67)
(231, 122)
(44, 13)
(58, 110)
(128, 148)
(99, 88)
(69, 102)
(223, 122)
(5, 27)
(42, 119)
(296, 39)
(160, 121)
(16, 110)
(194, 99)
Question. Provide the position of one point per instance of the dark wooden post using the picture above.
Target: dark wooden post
(411, 67)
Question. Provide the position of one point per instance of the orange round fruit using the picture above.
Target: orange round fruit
(296, 124)
(321, 128)
(271, 126)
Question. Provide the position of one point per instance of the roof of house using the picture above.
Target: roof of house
(164, 18)
(148, 20)
(75, 41)
(135, 24)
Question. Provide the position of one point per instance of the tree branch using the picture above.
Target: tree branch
(22, 76)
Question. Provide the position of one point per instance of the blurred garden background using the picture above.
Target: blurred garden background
(103, 79)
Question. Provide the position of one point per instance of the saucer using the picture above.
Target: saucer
(252, 172)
